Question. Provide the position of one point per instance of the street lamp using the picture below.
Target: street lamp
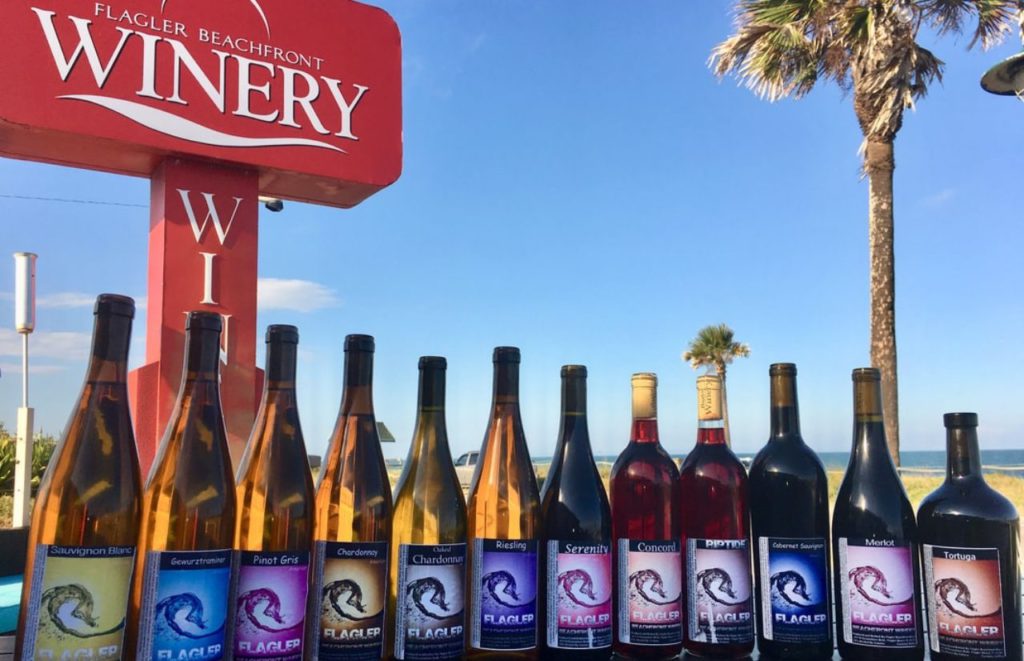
(1007, 77)
(24, 323)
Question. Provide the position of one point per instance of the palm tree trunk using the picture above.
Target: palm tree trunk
(879, 165)
(725, 407)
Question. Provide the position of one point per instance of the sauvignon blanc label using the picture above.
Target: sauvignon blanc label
(430, 618)
(78, 601)
(579, 606)
(877, 589)
(650, 577)
(965, 601)
(270, 598)
(720, 607)
(794, 589)
(351, 580)
(504, 613)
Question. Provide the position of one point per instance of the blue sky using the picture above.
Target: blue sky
(578, 184)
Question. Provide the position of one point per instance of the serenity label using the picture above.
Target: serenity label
(579, 606)
(794, 589)
(650, 575)
(965, 602)
(877, 577)
(504, 615)
(270, 598)
(430, 617)
(720, 606)
(352, 584)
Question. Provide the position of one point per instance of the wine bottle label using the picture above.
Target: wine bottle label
(579, 594)
(351, 579)
(877, 592)
(965, 601)
(504, 613)
(720, 607)
(184, 607)
(650, 576)
(270, 597)
(429, 615)
(78, 601)
(794, 604)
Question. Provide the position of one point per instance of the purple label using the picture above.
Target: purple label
(270, 602)
(579, 581)
(351, 581)
(650, 589)
(429, 615)
(879, 608)
(505, 611)
(720, 604)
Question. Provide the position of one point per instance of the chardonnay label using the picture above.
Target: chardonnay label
(78, 602)
(184, 605)
(877, 589)
(352, 584)
(504, 614)
(270, 599)
(965, 602)
(650, 576)
(579, 581)
(430, 618)
(720, 604)
(794, 589)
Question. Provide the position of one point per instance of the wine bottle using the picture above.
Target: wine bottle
(180, 602)
(576, 538)
(85, 522)
(718, 611)
(645, 530)
(969, 537)
(274, 534)
(789, 527)
(874, 543)
(428, 540)
(503, 513)
(353, 523)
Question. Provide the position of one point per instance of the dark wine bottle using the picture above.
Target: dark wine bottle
(645, 537)
(789, 528)
(718, 611)
(969, 544)
(874, 543)
(576, 538)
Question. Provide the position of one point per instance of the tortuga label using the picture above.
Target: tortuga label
(965, 602)
(877, 592)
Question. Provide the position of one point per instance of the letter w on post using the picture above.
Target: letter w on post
(212, 215)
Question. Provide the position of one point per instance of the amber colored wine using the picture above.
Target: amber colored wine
(874, 543)
(274, 534)
(353, 524)
(180, 604)
(85, 521)
(503, 513)
(969, 547)
(718, 618)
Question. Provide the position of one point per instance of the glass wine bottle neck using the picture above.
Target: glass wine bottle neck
(281, 360)
(111, 337)
(645, 409)
(432, 385)
(573, 430)
(506, 384)
(785, 411)
(357, 395)
(869, 440)
(202, 354)
(963, 457)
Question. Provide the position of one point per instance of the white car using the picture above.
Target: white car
(464, 467)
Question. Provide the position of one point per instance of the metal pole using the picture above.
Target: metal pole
(24, 370)
(24, 323)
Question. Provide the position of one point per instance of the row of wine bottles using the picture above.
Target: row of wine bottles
(201, 566)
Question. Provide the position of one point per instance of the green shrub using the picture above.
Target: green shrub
(42, 449)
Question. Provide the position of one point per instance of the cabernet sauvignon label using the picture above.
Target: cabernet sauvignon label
(650, 580)
(184, 611)
(965, 601)
(429, 615)
(270, 598)
(96, 582)
(504, 614)
(351, 579)
(877, 589)
(579, 581)
(794, 589)
(719, 588)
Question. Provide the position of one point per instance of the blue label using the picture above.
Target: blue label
(505, 605)
(794, 589)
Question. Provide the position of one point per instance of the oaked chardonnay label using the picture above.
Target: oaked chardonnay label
(794, 589)
(270, 598)
(877, 589)
(579, 580)
(504, 614)
(430, 617)
(720, 604)
(650, 590)
(965, 604)
(184, 607)
(78, 602)
(352, 580)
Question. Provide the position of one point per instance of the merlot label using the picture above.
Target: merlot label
(78, 601)
(184, 609)
(650, 576)
(794, 589)
(351, 580)
(877, 589)
(504, 614)
(579, 582)
(965, 601)
(719, 589)
(270, 601)
(429, 615)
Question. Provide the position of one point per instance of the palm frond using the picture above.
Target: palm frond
(995, 18)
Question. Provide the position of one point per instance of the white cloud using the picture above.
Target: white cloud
(62, 345)
(940, 198)
(297, 295)
(68, 299)
(15, 368)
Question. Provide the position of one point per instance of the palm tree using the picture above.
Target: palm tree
(781, 48)
(716, 347)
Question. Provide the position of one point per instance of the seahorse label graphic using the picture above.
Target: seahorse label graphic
(963, 591)
(78, 602)
(270, 592)
(650, 582)
(579, 594)
(429, 617)
(504, 616)
(719, 604)
(351, 580)
(794, 582)
(877, 579)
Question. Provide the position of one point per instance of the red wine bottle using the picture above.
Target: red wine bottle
(645, 537)
(969, 544)
(718, 618)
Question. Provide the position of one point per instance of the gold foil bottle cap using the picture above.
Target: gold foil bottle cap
(709, 397)
(867, 394)
(645, 395)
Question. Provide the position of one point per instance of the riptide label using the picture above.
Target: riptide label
(579, 595)
(650, 577)
(877, 592)
(352, 583)
(963, 591)
(270, 591)
(794, 604)
(504, 613)
(430, 616)
(719, 589)
(78, 602)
